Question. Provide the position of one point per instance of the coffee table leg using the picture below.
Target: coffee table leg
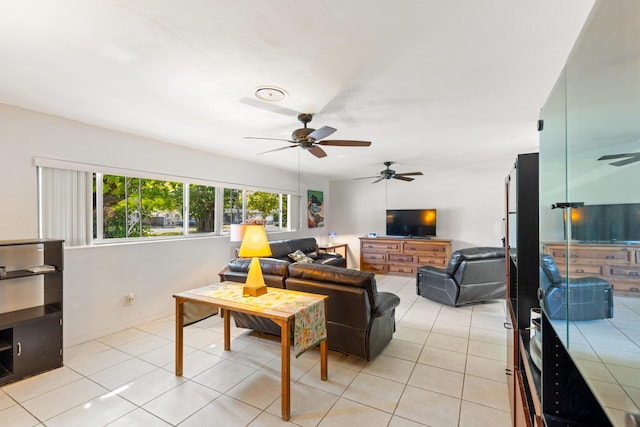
(286, 366)
(227, 330)
(179, 335)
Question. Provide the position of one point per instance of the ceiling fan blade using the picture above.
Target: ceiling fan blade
(274, 108)
(278, 149)
(317, 151)
(344, 143)
(626, 162)
(409, 173)
(268, 139)
(378, 180)
(367, 177)
(321, 133)
(402, 178)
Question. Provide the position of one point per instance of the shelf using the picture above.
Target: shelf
(4, 345)
(15, 274)
(17, 316)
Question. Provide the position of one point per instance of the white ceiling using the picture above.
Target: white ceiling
(433, 84)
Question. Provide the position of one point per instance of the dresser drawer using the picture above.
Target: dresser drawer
(373, 267)
(374, 256)
(400, 258)
(402, 269)
(426, 247)
(381, 246)
(624, 271)
(580, 269)
(429, 260)
(587, 255)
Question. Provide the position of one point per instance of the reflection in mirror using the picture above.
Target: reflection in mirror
(590, 155)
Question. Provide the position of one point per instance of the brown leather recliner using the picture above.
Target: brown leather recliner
(360, 320)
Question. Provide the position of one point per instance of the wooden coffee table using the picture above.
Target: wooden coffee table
(285, 319)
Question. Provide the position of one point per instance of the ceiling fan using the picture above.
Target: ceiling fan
(390, 173)
(311, 139)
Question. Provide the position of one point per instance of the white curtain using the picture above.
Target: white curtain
(65, 211)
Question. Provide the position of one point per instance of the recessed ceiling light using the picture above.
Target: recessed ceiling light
(271, 94)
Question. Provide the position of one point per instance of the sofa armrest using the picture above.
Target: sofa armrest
(433, 272)
(386, 302)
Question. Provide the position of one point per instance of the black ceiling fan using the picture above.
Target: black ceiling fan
(311, 139)
(390, 173)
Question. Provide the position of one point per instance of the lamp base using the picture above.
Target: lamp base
(249, 291)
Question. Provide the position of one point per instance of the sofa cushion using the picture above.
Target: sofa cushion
(268, 265)
(299, 256)
(337, 275)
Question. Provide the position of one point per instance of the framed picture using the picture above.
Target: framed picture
(315, 208)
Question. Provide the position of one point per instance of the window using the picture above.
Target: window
(119, 207)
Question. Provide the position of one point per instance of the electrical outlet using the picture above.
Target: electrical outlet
(128, 299)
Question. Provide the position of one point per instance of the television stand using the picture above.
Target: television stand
(402, 255)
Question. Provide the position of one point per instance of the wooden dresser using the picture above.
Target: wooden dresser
(387, 255)
(617, 264)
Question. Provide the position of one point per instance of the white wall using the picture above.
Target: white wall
(97, 278)
(470, 210)
(470, 204)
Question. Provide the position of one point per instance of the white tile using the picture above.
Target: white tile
(403, 350)
(308, 405)
(390, 368)
(266, 419)
(31, 387)
(437, 379)
(91, 364)
(83, 350)
(447, 359)
(5, 400)
(195, 363)
(416, 336)
(453, 329)
(613, 396)
(224, 375)
(429, 408)
(486, 392)
(474, 415)
(486, 368)
(347, 413)
(151, 385)
(17, 416)
(181, 402)
(97, 412)
(488, 350)
(122, 373)
(447, 342)
(122, 337)
(224, 411)
(375, 392)
(138, 417)
(397, 421)
(258, 390)
(144, 344)
(59, 400)
(338, 379)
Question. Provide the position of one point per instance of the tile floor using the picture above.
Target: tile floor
(444, 367)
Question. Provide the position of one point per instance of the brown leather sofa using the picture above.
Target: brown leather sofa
(360, 320)
(274, 268)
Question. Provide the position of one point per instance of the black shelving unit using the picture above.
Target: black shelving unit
(522, 270)
(31, 338)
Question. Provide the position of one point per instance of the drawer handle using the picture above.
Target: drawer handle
(634, 289)
(573, 256)
(610, 257)
(579, 270)
(19, 349)
(507, 325)
(634, 273)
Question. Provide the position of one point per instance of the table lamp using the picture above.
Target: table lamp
(254, 244)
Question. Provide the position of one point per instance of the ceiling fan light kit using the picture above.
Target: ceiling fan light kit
(271, 94)
(310, 139)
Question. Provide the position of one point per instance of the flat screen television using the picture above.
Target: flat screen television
(606, 223)
(418, 223)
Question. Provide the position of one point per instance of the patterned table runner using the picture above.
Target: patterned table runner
(310, 327)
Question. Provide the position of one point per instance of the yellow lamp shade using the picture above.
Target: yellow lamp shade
(254, 242)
